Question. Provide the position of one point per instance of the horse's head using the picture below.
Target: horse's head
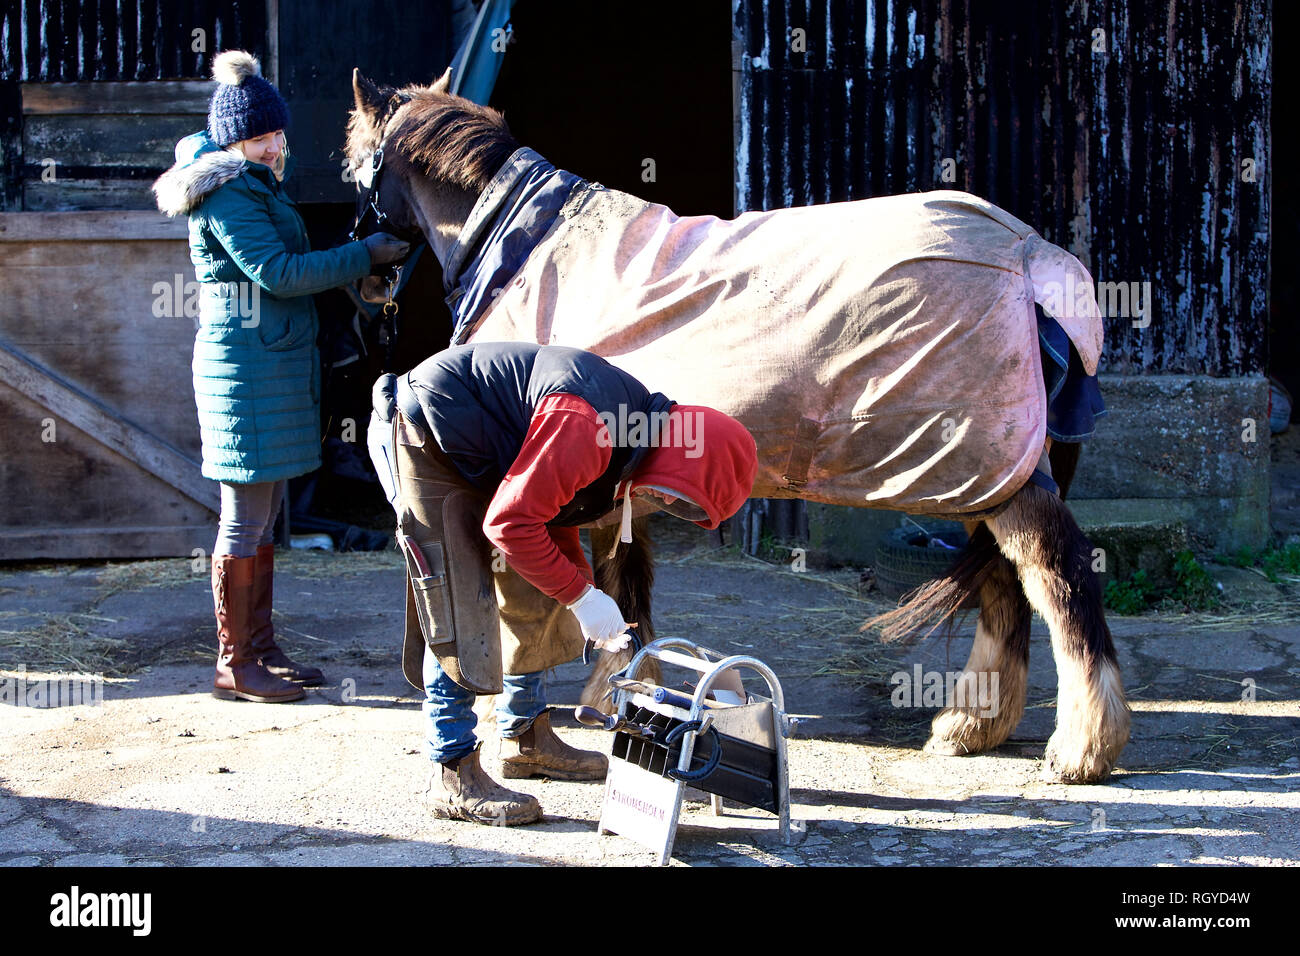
(420, 156)
(383, 197)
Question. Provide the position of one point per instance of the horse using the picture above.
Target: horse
(576, 264)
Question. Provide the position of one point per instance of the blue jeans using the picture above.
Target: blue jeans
(450, 709)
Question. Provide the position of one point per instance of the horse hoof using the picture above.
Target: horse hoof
(957, 731)
(1064, 764)
(946, 748)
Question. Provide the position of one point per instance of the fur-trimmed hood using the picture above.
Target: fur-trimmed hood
(201, 167)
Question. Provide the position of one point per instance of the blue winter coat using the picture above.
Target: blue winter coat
(256, 365)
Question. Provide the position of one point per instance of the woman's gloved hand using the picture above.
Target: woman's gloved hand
(384, 248)
(600, 619)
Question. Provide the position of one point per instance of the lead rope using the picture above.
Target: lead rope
(388, 324)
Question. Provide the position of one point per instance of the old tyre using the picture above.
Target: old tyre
(906, 560)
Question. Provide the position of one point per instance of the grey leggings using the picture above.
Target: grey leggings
(248, 515)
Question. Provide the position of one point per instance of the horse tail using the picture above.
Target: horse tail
(958, 588)
(1064, 458)
(628, 577)
(942, 598)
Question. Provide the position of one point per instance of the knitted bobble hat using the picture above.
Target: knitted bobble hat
(244, 105)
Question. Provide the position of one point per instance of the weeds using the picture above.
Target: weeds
(1132, 596)
(1273, 561)
(1193, 589)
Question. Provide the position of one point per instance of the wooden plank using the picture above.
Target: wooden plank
(272, 70)
(11, 145)
(56, 477)
(85, 413)
(106, 54)
(143, 541)
(121, 226)
(151, 96)
(107, 140)
(30, 31)
(89, 309)
(166, 408)
(87, 194)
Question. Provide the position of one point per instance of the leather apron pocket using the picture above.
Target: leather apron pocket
(451, 603)
(428, 574)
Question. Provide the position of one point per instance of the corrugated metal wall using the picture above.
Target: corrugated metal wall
(84, 41)
(1118, 129)
(52, 41)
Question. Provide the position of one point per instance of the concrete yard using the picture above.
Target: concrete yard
(162, 773)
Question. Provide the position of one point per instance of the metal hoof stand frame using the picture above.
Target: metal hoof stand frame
(719, 740)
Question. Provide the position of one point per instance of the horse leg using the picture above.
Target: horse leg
(990, 693)
(627, 577)
(1053, 558)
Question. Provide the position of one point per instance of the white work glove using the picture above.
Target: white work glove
(600, 619)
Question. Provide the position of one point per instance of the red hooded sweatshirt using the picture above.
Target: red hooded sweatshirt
(703, 455)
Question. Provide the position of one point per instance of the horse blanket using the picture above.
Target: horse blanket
(883, 353)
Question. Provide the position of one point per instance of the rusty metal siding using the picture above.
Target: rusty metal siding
(53, 41)
(74, 45)
(1129, 155)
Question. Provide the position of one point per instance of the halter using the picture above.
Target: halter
(368, 203)
(368, 175)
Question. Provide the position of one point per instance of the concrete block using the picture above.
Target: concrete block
(1148, 546)
(1180, 449)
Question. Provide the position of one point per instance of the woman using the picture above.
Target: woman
(256, 366)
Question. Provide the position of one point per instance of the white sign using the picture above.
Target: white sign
(640, 805)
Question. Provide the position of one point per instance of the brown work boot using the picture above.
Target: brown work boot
(240, 675)
(462, 790)
(264, 646)
(537, 752)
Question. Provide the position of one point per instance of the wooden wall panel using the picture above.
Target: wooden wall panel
(91, 341)
(101, 145)
(74, 498)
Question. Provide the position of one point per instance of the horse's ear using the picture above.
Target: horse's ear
(368, 98)
(443, 83)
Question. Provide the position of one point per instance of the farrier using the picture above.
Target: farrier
(492, 455)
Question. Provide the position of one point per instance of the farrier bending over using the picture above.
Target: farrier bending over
(492, 455)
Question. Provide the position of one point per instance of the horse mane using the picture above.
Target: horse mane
(455, 142)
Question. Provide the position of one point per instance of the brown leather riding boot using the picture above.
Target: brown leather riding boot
(537, 752)
(268, 652)
(462, 790)
(240, 675)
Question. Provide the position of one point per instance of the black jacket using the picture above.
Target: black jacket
(478, 401)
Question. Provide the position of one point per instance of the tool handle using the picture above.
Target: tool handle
(663, 695)
(596, 718)
(413, 549)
